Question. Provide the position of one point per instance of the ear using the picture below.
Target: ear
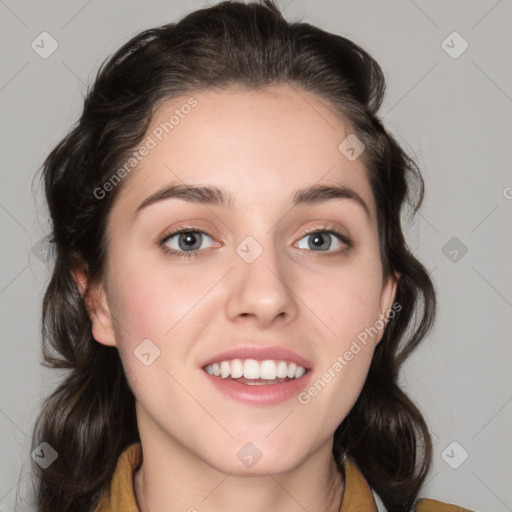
(97, 306)
(387, 299)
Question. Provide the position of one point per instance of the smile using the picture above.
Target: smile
(248, 370)
(254, 382)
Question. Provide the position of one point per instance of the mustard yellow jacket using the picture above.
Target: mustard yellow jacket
(358, 496)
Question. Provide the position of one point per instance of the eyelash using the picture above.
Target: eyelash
(189, 254)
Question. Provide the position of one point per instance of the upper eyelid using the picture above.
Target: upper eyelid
(347, 240)
(323, 229)
(164, 238)
(318, 229)
(187, 229)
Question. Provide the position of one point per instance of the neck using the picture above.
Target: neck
(174, 479)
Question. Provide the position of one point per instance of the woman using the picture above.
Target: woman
(232, 291)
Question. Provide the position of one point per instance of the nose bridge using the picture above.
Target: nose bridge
(260, 286)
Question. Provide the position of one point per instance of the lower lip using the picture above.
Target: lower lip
(262, 394)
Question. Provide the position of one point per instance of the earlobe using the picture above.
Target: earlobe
(389, 293)
(97, 306)
(387, 302)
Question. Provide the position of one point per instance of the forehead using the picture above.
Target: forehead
(254, 144)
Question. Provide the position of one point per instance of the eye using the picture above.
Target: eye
(185, 242)
(322, 241)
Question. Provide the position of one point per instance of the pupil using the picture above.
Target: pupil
(318, 240)
(190, 240)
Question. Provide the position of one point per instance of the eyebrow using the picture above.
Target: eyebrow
(214, 196)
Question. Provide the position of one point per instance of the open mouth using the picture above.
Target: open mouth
(256, 373)
(258, 377)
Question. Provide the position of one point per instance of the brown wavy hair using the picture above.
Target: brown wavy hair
(90, 418)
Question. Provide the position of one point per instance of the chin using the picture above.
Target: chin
(255, 459)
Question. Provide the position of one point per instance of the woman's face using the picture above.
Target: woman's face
(258, 282)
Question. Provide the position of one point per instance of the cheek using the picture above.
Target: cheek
(346, 300)
(153, 308)
(150, 302)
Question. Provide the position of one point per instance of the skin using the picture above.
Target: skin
(260, 146)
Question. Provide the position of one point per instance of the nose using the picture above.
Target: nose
(261, 291)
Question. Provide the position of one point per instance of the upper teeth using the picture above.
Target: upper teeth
(252, 369)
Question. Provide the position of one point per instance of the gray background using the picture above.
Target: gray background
(452, 113)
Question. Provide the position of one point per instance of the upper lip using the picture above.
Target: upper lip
(260, 354)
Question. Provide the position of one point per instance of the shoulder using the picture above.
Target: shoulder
(120, 495)
(423, 505)
(427, 505)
